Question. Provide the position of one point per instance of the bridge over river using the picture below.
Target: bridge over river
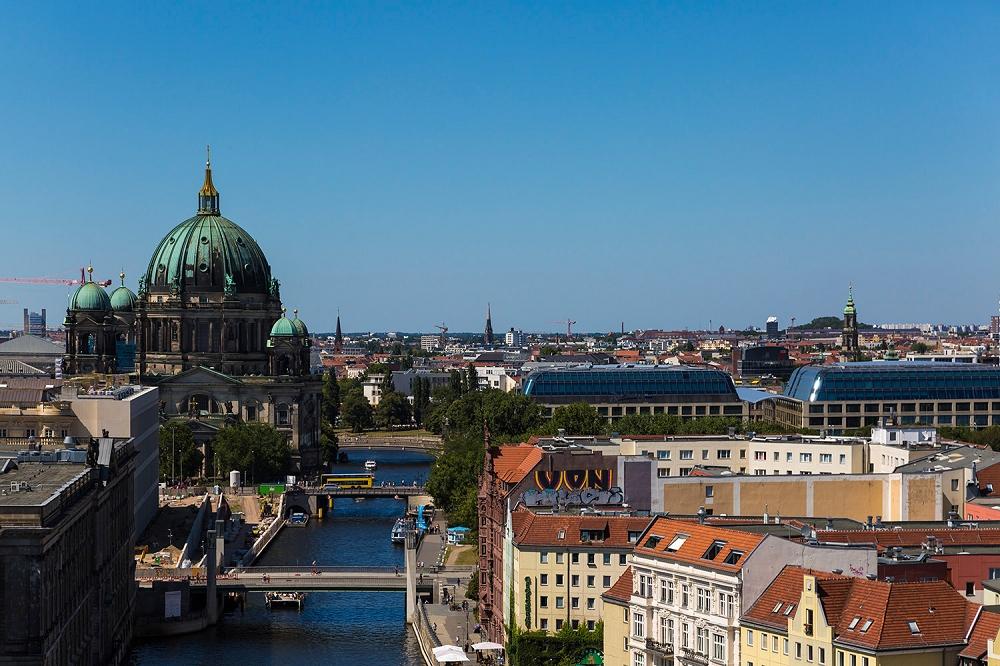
(391, 443)
(309, 579)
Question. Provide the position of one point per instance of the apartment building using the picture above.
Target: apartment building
(826, 619)
(691, 582)
(562, 564)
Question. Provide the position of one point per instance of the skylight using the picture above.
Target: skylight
(914, 629)
(676, 544)
(854, 622)
(652, 541)
(733, 557)
(788, 609)
(714, 550)
(777, 608)
(866, 626)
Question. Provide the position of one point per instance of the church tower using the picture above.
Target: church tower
(338, 338)
(488, 334)
(849, 337)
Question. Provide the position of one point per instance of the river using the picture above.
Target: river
(338, 628)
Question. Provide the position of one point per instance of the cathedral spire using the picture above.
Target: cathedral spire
(338, 339)
(488, 335)
(208, 196)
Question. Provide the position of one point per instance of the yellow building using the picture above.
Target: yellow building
(563, 563)
(617, 651)
(825, 619)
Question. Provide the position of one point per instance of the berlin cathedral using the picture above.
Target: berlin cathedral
(208, 328)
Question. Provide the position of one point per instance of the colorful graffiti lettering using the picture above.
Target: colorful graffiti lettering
(583, 497)
(574, 479)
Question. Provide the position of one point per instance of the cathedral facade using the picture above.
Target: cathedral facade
(208, 328)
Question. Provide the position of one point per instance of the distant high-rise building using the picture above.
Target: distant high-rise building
(772, 327)
(514, 338)
(849, 338)
(430, 342)
(488, 335)
(34, 323)
(995, 326)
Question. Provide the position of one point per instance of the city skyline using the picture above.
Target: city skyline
(685, 165)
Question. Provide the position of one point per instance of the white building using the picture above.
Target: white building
(513, 338)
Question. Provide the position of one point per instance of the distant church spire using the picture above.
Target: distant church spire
(338, 339)
(208, 196)
(849, 338)
(488, 336)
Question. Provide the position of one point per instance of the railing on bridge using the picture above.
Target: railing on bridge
(374, 491)
(391, 442)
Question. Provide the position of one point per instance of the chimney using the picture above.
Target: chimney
(765, 514)
(829, 523)
(878, 523)
(868, 523)
(701, 515)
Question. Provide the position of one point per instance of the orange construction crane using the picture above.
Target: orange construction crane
(569, 327)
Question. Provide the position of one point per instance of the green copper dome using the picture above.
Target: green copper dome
(90, 296)
(209, 253)
(284, 328)
(300, 326)
(849, 308)
(122, 298)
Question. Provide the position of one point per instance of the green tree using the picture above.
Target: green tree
(393, 410)
(455, 381)
(418, 400)
(919, 348)
(471, 378)
(357, 412)
(386, 386)
(577, 418)
(330, 412)
(255, 448)
(180, 457)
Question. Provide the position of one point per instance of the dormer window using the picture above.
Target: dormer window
(561, 534)
(652, 542)
(633, 536)
(714, 550)
(733, 557)
(677, 542)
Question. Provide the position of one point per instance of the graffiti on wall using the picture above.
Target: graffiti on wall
(574, 479)
(584, 497)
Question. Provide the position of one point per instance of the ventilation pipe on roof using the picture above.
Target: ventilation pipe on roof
(868, 523)
(878, 523)
(701, 515)
(837, 571)
(765, 514)
(829, 523)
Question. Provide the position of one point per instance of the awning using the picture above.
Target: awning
(487, 646)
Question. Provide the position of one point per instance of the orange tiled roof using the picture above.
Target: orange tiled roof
(622, 589)
(514, 462)
(699, 538)
(989, 536)
(535, 529)
(870, 613)
(985, 629)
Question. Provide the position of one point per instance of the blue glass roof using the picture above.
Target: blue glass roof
(894, 380)
(631, 382)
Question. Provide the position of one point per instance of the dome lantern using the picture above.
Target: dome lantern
(208, 196)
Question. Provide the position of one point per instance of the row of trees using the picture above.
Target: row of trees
(256, 449)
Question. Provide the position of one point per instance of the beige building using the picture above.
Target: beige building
(562, 564)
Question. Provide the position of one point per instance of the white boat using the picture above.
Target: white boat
(298, 519)
(400, 529)
(370, 465)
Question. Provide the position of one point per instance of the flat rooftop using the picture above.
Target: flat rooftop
(37, 483)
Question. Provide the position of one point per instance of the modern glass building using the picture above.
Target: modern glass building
(620, 390)
(855, 395)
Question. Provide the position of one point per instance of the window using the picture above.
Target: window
(718, 647)
(784, 646)
(574, 558)
(591, 625)
(575, 624)
(559, 558)
(704, 452)
(663, 455)
(607, 558)
(826, 457)
(854, 622)
(714, 550)
(543, 624)
(560, 602)
(702, 645)
(559, 625)
(763, 641)
(685, 633)
(687, 454)
(638, 625)
(662, 473)
(590, 581)
(809, 653)
(623, 558)
(725, 604)
(704, 600)
(590, 603)
(574, 602)
(685, 592)
(761, 455)
(559, 579)
(798, 650)
(543, 558)
(774, 643)
(805, 457)
(734, 556)
(574, 580)
(543, 579)
(639, 659)
(866, 626)
(954, 484)
(645, 588)
(543, 601)
(822, 656)
(994, 573)
(970, 589)
(750, 637)
(606, 581)
(591, 559)
(788, 456)
(709, 491)
(843, 458)
(677, 542)
(723, 454)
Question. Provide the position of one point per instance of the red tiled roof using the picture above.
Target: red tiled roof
(514, 462)
(880, 612)
(539, 529)
(699, 539)
(985, 629)
(622, 589)
(784, 594)
(913, 537)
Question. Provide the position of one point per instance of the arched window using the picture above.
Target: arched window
(283, 414)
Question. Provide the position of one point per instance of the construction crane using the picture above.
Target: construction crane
(444, 334)
(7, 301)
(53, 281)
(569, 327)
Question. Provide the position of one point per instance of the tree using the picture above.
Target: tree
(577, 418)
(386, 386)
(471, 378)
(418, 402)
(919, 347)
(357, 412)
(328, 424)
(393, 410)
(179, 455)
(255, 448)
(455, 382)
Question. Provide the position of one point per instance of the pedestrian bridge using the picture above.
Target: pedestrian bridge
(401, 443)
(301, 579)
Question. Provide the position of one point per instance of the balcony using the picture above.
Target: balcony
(664, 649)
(689, 656)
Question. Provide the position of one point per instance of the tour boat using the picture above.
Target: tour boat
(284, 599)
(298, 519)
(400, 529)
(370, 465)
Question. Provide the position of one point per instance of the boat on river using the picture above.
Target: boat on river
(284, 600)
(399, 530)
(370, 465)
(298, 519)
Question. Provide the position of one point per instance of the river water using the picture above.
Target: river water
(337, 628)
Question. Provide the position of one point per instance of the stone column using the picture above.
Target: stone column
(211, 598)
(411, 576)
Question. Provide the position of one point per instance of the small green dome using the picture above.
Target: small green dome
(123, 300)
(284, 328)
(300, 326)
(90, 296)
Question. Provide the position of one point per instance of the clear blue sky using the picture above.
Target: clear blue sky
(662, 164)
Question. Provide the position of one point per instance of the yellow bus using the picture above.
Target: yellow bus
(356, 480)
